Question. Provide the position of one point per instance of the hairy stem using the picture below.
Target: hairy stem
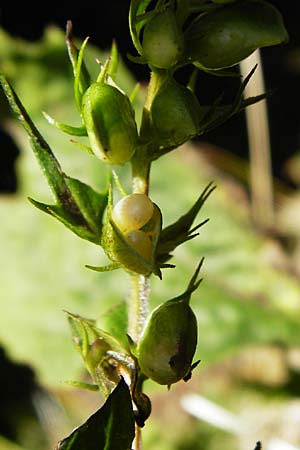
(138, 305)
(137, 315)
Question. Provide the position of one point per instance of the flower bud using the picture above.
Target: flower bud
(163, 40)
(109, 120)
(175, 113)
(227, 35)
(168, 344)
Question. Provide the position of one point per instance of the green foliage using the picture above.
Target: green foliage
(77, 206)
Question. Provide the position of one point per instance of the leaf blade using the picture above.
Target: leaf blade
(110, 428)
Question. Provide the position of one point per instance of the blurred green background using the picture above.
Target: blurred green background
(247, 306)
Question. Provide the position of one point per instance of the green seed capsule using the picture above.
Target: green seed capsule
(224, 37)
(168, 343)
(109, 119)
(132, 212)
(163, 40)
(175, 113)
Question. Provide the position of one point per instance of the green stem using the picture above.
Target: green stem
(140, 166)
(140, 175)
(140, 286)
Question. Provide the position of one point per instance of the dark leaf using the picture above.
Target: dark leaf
(110, 428)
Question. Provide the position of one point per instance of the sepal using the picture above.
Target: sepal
(181, 230)
(105, 358)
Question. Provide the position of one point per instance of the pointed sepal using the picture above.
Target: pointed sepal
(181, 230)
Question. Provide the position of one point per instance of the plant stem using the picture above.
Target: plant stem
(138, 305)
(137, 443)
(140, 175)
(140, 284)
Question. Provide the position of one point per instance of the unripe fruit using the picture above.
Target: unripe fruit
(132, 212)
(140, 242)
(131, 248)
(168, 344)
(163, 40)
(224, 37)
(109, 120)
(175, 113)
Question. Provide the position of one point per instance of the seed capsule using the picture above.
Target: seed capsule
(168, 343)
(163, 40)
(132, 212)
(175, 113)
(224, 37)
(109, 120)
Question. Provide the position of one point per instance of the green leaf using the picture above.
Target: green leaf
(85, 331)
(109, 428)
(83, 78)
(181, 231)
(78, 206)
(90, 203)
(137, 8)
(70, 222)
(218, 114)
(115, 322)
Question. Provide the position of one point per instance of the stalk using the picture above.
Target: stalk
(140, 166)
(138, 305)
(140, 284)
(137, 316)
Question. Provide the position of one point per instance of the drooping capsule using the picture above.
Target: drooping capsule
(109, 120)
(175, 113)
(168, 343)
(225, 36)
